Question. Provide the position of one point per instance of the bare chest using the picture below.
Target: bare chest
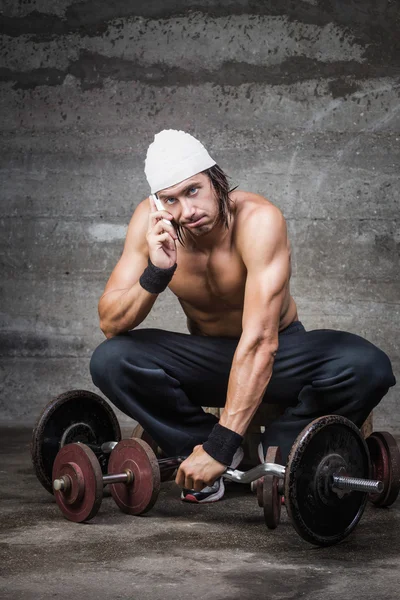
(210, 283)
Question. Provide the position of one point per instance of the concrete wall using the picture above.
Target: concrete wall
(296, 100)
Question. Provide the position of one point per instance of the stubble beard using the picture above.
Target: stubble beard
(203, 229)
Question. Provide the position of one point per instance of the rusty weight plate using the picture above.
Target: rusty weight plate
(76, 416)
(385, 466)
(319, 515)
(135, 455)
(165, 473)
(272, 502)
(78, 466)
(259, 488)
(139, 432)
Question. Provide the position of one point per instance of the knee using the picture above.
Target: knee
(106, 361)
(372, 366)
(381, 371)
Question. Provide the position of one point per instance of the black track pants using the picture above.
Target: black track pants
(162, 379)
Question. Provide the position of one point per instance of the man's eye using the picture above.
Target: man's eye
(193, 190)
(169, 200)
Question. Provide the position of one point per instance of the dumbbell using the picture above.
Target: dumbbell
(78, 416)
(134, 478)
(325, 482)
(385, 466)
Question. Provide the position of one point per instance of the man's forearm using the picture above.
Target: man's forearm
(122, 310)
(250, 374)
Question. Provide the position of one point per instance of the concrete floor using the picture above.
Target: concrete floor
(219, 551)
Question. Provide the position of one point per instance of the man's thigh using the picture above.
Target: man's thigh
(200, 364)
(306, 357)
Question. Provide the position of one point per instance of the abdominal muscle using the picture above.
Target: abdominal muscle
(228, 323)
(213, 302)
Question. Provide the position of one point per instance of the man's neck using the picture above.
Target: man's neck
(208, 242)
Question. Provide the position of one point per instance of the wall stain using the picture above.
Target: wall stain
(21, 344)
(91, 69)
(373, 23)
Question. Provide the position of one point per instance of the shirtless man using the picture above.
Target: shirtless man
(226, 257)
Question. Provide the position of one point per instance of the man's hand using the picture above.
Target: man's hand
(161, 237)
(198, 470)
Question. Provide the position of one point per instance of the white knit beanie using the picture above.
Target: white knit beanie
(172, 157)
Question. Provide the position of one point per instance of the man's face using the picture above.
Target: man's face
(192, 203)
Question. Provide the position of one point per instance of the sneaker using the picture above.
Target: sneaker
(214, 492)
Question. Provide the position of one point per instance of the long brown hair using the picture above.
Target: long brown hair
(219, 181)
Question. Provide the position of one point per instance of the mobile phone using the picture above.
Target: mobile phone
(159, 206)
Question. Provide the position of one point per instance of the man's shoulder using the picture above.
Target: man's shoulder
(140, 214)
(138, 225)
(143, 206)
(260, 228)
(250, 206)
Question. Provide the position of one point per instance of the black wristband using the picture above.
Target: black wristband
(222, 444)
(154, 279)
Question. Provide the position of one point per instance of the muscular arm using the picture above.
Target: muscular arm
(124, 303)
(264, 248)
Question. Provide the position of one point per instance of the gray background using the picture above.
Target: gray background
(298, 101)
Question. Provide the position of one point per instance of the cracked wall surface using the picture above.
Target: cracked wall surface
(298, 101)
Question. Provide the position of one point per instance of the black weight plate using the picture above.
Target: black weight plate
(76, 416)
(318, 514)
